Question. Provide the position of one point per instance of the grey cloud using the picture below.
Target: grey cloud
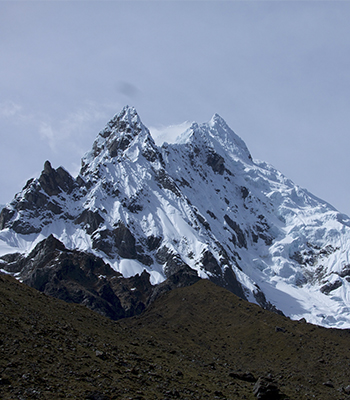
(127, 89)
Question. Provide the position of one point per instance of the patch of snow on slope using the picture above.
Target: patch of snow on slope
(130, 268)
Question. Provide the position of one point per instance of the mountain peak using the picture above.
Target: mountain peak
(201, 203)
(123, 134)
(227, 138)
(126, 122)
(127, 117)
(217, 134)
(216, 119)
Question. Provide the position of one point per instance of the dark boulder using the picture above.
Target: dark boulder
(243, 376)
(266, 389)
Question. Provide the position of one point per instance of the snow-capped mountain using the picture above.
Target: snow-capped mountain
(201, 202)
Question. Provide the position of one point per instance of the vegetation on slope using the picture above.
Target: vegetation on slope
(198, 342)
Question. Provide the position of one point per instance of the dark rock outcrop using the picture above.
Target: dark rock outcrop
(216, 162)
(185, 276)
(54, 181)
(242, 241)
(120, 241)
(91, 220)
(124, 241)
(83, 278)
(171, 261)
(39, 201)
(5, 216)
(329, 287)
(209, 263)
(227, 278)
(166, 182)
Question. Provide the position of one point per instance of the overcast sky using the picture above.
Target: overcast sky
(276, 71)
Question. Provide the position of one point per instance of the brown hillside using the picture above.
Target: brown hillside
(192, 343)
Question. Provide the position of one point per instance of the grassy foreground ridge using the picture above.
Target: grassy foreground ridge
(197, 342)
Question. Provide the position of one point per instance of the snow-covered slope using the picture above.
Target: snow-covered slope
(203, 202)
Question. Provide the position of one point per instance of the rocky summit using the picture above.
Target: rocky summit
(140, 219)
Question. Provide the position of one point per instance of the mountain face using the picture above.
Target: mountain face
(202, 204)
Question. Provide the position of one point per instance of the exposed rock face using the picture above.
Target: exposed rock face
(72, 276)
(54, 181)
(216, 162)
(183, 277)
(40, 201)
(5, 216)
(172, 262)
(80, 277)
(90, 220)
(239, 236)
